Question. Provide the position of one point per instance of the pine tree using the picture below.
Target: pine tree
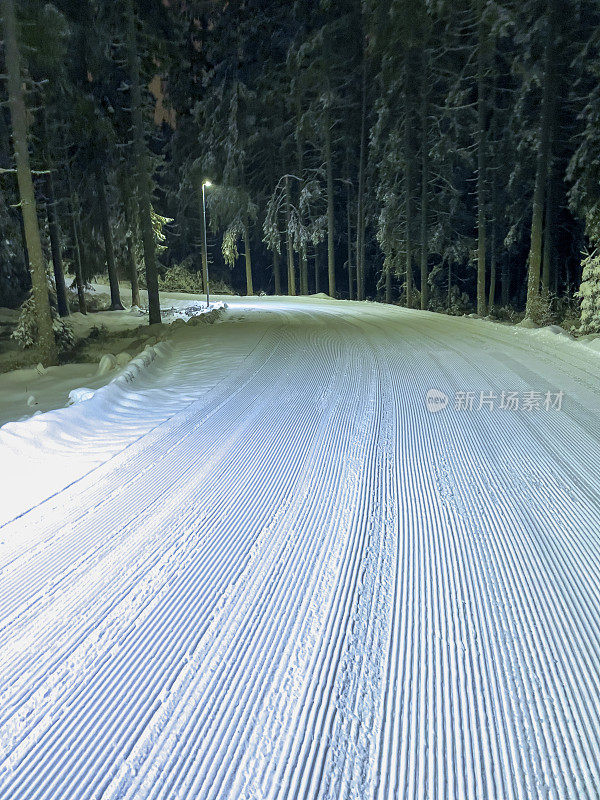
(107, 235)
(142, 168)
(425, 189)
(543, 165)
(87, 112)
(129, 221)
(76, 244)
(299, 224)
(360, 195)
(583, 171)
(46, 37)
(45, 333)
(481, 156)
(400, 139)
(589, 293)
(232, 210)
(15, 278)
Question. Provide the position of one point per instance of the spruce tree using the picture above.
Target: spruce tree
(142, 168)
(543, 164)
(43, 318)
(589, 293)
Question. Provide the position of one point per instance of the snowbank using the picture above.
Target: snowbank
(26, 392)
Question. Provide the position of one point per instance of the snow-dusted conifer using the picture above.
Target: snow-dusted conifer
(19, 117)
(26, 332)
(589, 293)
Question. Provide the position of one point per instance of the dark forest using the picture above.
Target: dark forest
(438, 155)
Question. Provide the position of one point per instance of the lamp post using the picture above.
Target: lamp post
(204, 245)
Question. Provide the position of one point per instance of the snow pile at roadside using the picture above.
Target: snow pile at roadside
(555, 332)
(35, 390)
(33, 443)
(132, 318)
(44, 453)
(112, 321)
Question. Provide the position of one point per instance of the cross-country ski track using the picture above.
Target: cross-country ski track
(260, 568)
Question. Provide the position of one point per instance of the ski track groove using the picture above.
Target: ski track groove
(297, 583)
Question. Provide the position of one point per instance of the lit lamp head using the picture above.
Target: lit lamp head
(207, 183)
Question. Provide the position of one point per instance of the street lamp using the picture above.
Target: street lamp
(204, 245)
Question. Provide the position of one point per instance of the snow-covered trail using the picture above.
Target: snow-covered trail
(275, 574)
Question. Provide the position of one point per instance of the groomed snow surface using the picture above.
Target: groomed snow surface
(256, 565)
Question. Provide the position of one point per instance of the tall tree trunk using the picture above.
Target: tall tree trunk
(303, 272)
(54, 228)
(15, 213)
(349, 235)
(130, 237)
(317, 268)
(203, 244)
(547, 255)
(388, 282)
(493, 261)
(360, 200)
(409, 154)
(57, 262)
(290, 251)
(276, 273)
(46, 340)
(82, 253)
(77, 256)
(77, 252)
(554, 272)
(449, 293)
(330, 209)
(505, 288)
(481, 163)
(300, 166)
(144, 180)
(504, 269)
(115, 297)
(424, 191)
(409, 245)
(248, 255)
(494, 196)
(24, 244)
(543, 163)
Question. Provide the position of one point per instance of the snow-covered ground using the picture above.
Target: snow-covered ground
(29, 391)
(306, 553)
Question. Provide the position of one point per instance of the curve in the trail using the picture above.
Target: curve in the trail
(283, 577)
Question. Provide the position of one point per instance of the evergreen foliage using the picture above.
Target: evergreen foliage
(442, 155)
(26, 332)
(589, 293)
